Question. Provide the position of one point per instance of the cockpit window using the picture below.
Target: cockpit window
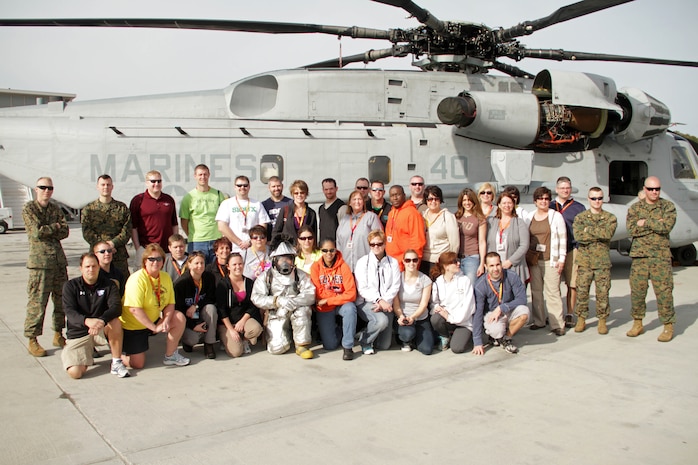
(681, 163)
(254, 96)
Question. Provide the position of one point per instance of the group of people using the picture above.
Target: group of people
(374, 269)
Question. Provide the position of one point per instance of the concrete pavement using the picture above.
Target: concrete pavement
(578, 399)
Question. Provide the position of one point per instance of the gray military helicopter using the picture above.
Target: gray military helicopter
(451, 121)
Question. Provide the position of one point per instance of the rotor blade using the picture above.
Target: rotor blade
(422, 15)
(511, 70)
(366, 57)
(562, 55)
(565, 13)
(207, 24)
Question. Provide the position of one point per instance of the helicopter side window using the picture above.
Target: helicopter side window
(626, 177)
(379, 169)
(271, 165)
(681, 164)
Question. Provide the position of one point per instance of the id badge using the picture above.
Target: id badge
(500, 247)
(390, 238)
(244, 230)
(349, 244)
(540, 247)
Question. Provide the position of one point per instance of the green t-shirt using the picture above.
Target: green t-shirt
(200, 209)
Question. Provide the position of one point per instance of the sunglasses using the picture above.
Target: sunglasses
(328, 250)
(376, 244)
(362, 188)
(154, 259)
(410, 260)
(242, 185)
(300, 193)
(155, 181)
(305, 238)
(105, 251)
(547, 199)
(377, 189)
(433, 199)
(416, 184)
(486, 193)
(258, 238)
(595, 198)
(45, 188)
(653, 189)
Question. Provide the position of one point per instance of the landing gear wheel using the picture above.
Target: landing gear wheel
(3, 227)
(686, 255)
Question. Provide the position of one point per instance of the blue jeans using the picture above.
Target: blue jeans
(469, 265)
(421, 333)
(330, 333)
(206, 247)
(379, 328)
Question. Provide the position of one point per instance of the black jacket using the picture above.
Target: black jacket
(81, 301)
(229, 306)
(185, 293)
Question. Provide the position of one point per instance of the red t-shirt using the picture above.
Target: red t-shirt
(153, 218)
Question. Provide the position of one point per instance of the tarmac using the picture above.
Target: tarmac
(578, 399)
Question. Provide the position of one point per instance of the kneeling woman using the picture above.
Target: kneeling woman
(335, 292)
(411, 307)
(149, 307)
(239, 321)
(195, 297)
(453, 304)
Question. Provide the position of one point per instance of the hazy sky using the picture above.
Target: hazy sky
(103, 63)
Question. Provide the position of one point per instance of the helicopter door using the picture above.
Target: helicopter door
(626, 177)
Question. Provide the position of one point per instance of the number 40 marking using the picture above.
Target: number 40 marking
(458, 165)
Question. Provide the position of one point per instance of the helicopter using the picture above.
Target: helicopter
(451, 121)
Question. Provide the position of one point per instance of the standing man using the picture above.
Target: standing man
(378, 204)
(593, 230)
(46, 227)
(569, 209)
(153, 214)
(275, 202)
(238, 214)
(197, 214)
(405, 227)
(327, 213)
(362, 185)
(417, 190)
(107, 219)
(649, 223)
(500, 304)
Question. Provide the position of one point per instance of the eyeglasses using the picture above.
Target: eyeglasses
(653, 189)
(300, 193)
(433, 199)
(105, 251)
(486, 193)
(305, 238)
(410, 260)
(328, 250)
(595, 198)
(416, 184)
(155, 181)
(376, 244)
(257, 238)
(45, 188)
(154, 259)
(546, 199)
(362, 188)
(242, 185)
(377, 189)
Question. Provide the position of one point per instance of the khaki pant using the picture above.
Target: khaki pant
(546, 280)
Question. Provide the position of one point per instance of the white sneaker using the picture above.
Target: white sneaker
(176, 359)
(246, 347)
(406, 347)
(119, 369)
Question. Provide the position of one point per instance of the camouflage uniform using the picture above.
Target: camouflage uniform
(651, 257)
(109, 222)
(593, 233)
(47, 265)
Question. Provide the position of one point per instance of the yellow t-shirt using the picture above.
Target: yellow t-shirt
(142, 292)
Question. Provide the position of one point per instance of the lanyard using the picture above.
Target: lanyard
(300, 219)
(262, 263)
(565, 207)
(393, 219)
(220, 269)
(354, 226)
(198, 284)
(501, 289)
(245, 210)
(177, 268)
(501, 230)
(156, 291)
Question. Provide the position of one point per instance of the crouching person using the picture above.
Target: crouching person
(92, 307)
(500, 300)
(286, 294)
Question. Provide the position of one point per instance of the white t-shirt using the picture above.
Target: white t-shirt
(241, 215)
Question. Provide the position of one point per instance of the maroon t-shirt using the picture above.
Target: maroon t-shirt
(153, 218)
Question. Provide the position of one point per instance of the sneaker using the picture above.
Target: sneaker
(406, 347)
(176, 359)
(444, 342)
(119, 369)
(494, 342)
(508, 346)
(246, 349)
(367, 350)
(569, 321)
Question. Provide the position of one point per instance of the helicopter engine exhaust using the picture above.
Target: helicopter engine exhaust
(643, 116)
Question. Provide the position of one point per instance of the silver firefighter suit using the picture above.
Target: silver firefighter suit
(285, 298)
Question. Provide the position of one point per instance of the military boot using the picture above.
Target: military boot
(58, 339)
(668, 333)
(580, 326)
(602, 326)
(636, 330)
(35, 348)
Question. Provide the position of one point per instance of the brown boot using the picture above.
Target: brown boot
(580, 326)
(58, 339)
(35, 348)
(636, 330)
(668, 333)
(602, 326)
